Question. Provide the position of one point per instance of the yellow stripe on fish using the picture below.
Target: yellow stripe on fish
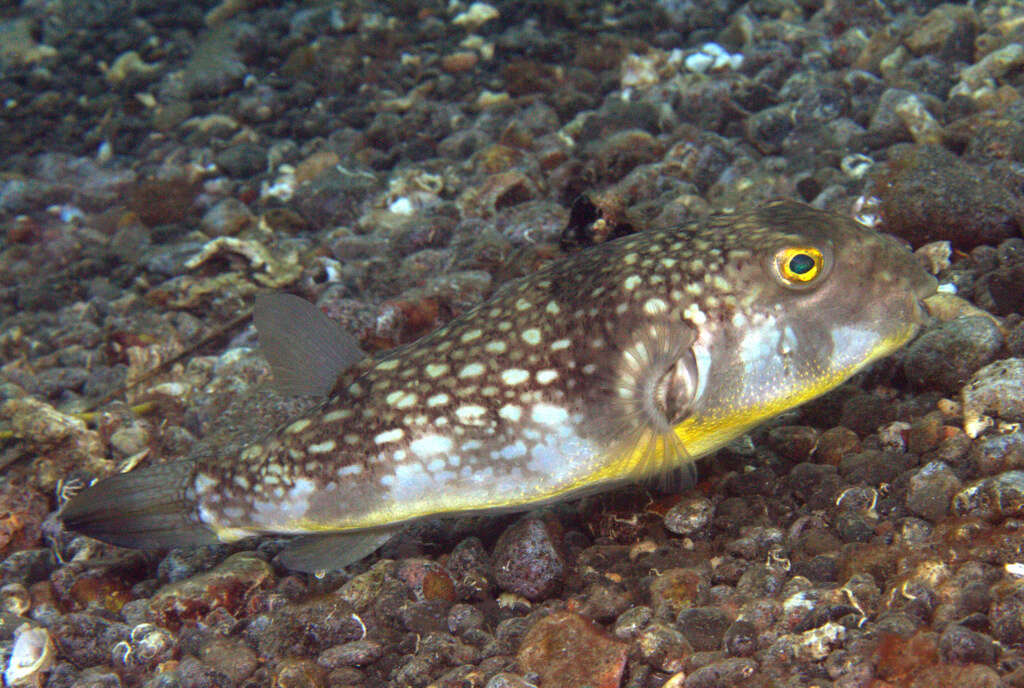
(616, 363)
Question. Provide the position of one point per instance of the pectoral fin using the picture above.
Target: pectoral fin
(332, 551)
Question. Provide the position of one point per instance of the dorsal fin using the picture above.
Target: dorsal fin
(307, 351)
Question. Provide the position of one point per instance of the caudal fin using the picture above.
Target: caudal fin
(142, 509)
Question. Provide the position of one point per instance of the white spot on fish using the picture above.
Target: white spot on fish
(560, 344)
(531, 336)
(496, 347)
(429, 445)
(471, 335)
(552, 308)
(470, 414)
(389, 364)
(513, 451)
(438, 400)
(472, 370)
(547, 376)
(351, 469)
(436, 369)
(322, 447)
(547, 414)
(632, 282)
(335, 416)
(694, 314)
(407, 400)
(523, 304)
(515, 376)
(298, 426)
(392, 435)
(510, 412)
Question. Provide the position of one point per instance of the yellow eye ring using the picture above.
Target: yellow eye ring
(799, 264)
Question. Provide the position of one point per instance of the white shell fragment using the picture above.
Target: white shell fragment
(477, 14)
(713, 57)
(32, 655)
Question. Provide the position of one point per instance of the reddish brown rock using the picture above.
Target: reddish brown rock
(229, 587)
(568, 651)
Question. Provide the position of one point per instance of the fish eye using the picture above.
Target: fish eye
(798, 265)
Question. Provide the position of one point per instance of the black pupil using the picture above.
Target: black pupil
(801, 264)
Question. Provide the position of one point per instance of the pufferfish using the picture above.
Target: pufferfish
(614, 364)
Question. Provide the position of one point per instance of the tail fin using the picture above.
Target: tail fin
(142, 509)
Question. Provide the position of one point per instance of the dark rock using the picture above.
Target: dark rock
(740, 639)
(946, 356)
(663, 647)
(727, 672)
(528, 557)
(930, 491)
(242, 160)
(631, 622)
(355, 653)
(704, 627)
(929, 194)
(689, 515)
(963, 646)
(793, 442)
(998, 453)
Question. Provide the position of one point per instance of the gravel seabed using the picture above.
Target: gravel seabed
(160, 163)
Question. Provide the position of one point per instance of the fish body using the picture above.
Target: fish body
(614, 364)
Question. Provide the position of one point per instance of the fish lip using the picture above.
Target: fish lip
(926, 287)
(922, 290)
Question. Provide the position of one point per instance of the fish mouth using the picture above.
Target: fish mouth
(926, 286)
(923, 288)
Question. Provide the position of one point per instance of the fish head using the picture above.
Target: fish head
(810, 298)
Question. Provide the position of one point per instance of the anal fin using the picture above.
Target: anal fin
(332, 551)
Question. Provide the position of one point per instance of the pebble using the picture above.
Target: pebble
(228, 656)
(928, 193)
(961, 645)
(663, 647)
(228, 586)
(996, 497)
(997, 453)
(567, 651)
(727, 672)
(996, 389)
(398, 190)
(946, 356)
(242, 160)
(676, 590)
(793, 442)
(930, 491)
(355, 653)
(529, 559)
(835, 443)
(689, 515)
(704, 627)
